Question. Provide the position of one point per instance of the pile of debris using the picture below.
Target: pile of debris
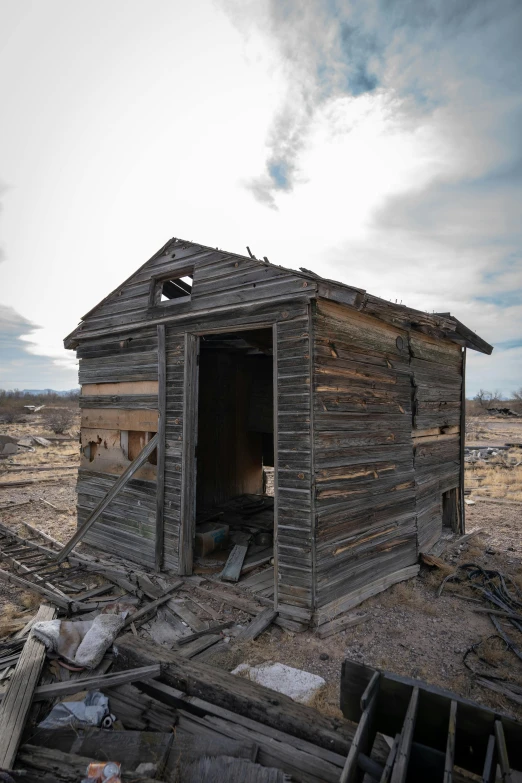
(482, 454)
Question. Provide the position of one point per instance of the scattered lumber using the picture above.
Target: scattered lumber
(211, 629)
(259, 624)
(238, 602)
(237, 694)
(40, 533)
(339, 624)
(234, 564)
(180, 609)
(198, 645)
(304, 760)
(141, 615)
(46, 765)
(57, 690)
(433, 561)
(63, 603)
(129, 748)
(19, 694)
(509, 690)
(138, 710)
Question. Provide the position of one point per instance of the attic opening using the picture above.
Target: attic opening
(173, 289)
(235, 445)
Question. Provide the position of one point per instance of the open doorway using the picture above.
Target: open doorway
(234, 453)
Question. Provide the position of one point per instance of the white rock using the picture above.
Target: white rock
(299, 685)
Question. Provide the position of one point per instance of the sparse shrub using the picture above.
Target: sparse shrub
(59, 420)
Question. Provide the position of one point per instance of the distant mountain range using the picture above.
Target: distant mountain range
(51, 391)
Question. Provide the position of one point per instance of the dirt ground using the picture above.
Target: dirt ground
(407, 629)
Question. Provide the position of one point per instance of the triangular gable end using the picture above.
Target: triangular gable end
(131, 300)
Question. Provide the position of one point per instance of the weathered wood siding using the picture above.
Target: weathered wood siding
(175, 374)
(220, 280)
(119, 392)
(127, 527)
(293, 446)
(437, 382)
(363, 477)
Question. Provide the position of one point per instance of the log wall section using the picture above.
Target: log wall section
(363, 468)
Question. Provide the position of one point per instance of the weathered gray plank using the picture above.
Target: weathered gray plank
(17, 701)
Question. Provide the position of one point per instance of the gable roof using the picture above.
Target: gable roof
(439, 325)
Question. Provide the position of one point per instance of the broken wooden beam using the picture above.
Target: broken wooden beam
(237, 694)
(142, 613)
(256, 627)
(19, 694)
(57, 690)
(109, 497)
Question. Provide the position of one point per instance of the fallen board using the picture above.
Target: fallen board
(19, 695)
(234, 564)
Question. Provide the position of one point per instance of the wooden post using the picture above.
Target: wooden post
(111, 494)
(462, 505)
(187, 529)
(160, 466)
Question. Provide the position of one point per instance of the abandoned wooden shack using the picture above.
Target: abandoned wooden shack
(213, 366)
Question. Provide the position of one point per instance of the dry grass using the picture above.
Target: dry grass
(409, 595)
(30, 600)
(495, 652)
(327, 701)
(12, 619)
(499, 477)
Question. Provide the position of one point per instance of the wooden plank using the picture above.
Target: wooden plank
(113, 492)
(238, 694)
(275, 343)
(197, 646)
(123, 387)
(462, 472)
(362, 741)
(145, 610)
(50, 595)
(160, 466)
(232, 569)
(17, 701)
(335, 626)
(400, 769)
(503, 758)
(256, 626)
(119, 419)
(180, 609)
(450, 747)
(47, 765)
(211, 629)
(57, 690)
(188, 457)
(489, 773)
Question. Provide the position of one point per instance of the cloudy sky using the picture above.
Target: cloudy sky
(377, 142)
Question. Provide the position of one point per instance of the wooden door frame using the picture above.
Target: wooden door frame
(190, 434)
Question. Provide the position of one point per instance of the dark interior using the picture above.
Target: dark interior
(235, 416)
